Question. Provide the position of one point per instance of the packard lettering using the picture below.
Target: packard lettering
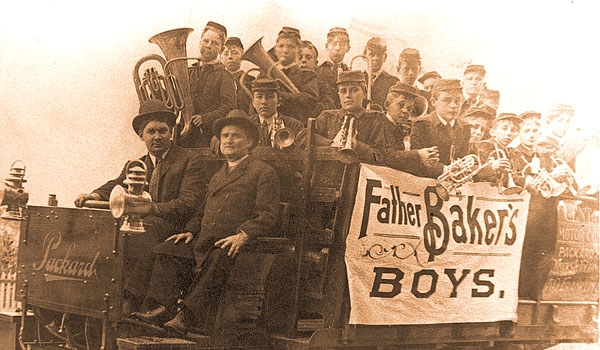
(64, 267)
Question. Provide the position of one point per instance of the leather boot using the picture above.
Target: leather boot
(158, 315)
(180, 323)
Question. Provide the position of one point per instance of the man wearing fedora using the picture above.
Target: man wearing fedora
(242, 203)
(403, 104)
(175, 182)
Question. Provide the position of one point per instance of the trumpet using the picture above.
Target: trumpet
(563, 173)
(343, 140)
(257, 55)
(281, 137)
(543, 182)
(369, 73)
(458, 173)
(511, 187)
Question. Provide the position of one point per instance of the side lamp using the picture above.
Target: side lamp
(12, 193)
(131, 202)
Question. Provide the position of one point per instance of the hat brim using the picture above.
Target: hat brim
(515, 118)
(242, 122)
(142, 119)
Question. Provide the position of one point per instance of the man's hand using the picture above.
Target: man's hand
(186, 237)
(197, 120)
(234, 243)
(429, 156)
(500, 164)
(80, 200)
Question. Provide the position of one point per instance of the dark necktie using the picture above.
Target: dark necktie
(154, 180)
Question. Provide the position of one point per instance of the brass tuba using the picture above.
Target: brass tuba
(257, 55)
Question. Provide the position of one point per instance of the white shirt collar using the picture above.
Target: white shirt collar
(153, 157)
(389, 117)
(444, 122)
(262, 120)
(231, 165)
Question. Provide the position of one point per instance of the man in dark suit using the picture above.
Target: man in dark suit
(442, 128)
(382, 81)
(266, 100)
(299, 104)
(242, 203)
(368, 136)
(176, 184)
(212, 87)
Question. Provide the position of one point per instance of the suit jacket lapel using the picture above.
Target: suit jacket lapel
(224, 179)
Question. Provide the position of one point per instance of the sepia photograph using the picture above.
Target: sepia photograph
(299, 175)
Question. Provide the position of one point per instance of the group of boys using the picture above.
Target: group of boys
(196, 227)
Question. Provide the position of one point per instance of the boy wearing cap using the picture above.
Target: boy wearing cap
(428, 80)
(308, 60)
(368, 139)
(300, 104)
(473, 83)
(478, 119)
(382, 81)
(529, 134)
(442, 128)
(504, 130)
(402, 105)
(409, 66)
(232, 59)
(175, 182)
(266, 101)
(337, 45)
(211, 85)
(242, 203)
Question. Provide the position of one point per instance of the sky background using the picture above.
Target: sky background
(67, 96)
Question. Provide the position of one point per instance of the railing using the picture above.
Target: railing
(7, 292)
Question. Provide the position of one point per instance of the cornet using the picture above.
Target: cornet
(458, 173)
(281, 137)
(563, 173)
(343, 140)
(511, 187)
(542, 181)
(131, 201)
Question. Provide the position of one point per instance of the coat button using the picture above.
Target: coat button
(219, 210)
(227, 196)
(214, 224)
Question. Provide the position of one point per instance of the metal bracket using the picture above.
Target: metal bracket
(23, 315)
(105, 321)
(555, 318)
(594, 310)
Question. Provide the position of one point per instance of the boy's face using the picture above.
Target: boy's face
(478, 125)
(447, 103)
(473, 83)
(210, 45)
(286, 50)
(408, 71)
(530, 132)
(560, 125)
(232, 58)
(402, 108)
(429, 83)
(504, 132)
(265, 103)
(351, 95)
(308, 59)
(336, 47)
(377, 58)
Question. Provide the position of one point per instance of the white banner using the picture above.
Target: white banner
(413, 258)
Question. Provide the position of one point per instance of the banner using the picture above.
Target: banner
(413, 258)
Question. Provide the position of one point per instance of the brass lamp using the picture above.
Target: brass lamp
(128, 202)
(12, 193)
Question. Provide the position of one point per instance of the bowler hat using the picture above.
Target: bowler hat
(240, 120)
(420, 101)
(152, 109)
(429, 75)
(355, 76)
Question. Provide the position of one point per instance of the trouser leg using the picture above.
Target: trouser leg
(170, 276)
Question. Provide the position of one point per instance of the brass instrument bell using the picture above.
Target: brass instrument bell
(542, 181)
(128, 203)
(563, 173)
(281, 137)
(12, 193)
(343, 140)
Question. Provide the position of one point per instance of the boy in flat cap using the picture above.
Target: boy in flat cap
(428, 80)
(232, 59)
(478, 119)
(504, 130)
(337, 45)
(409, 66)
(308, 60)
(242, 203)
(300, 104)
(529, 134)
(212, 87)
(175, 182)
(402, 105)
(442, 128)
(368, 139)
(473, 83)
(382, 81)
(266, 101)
